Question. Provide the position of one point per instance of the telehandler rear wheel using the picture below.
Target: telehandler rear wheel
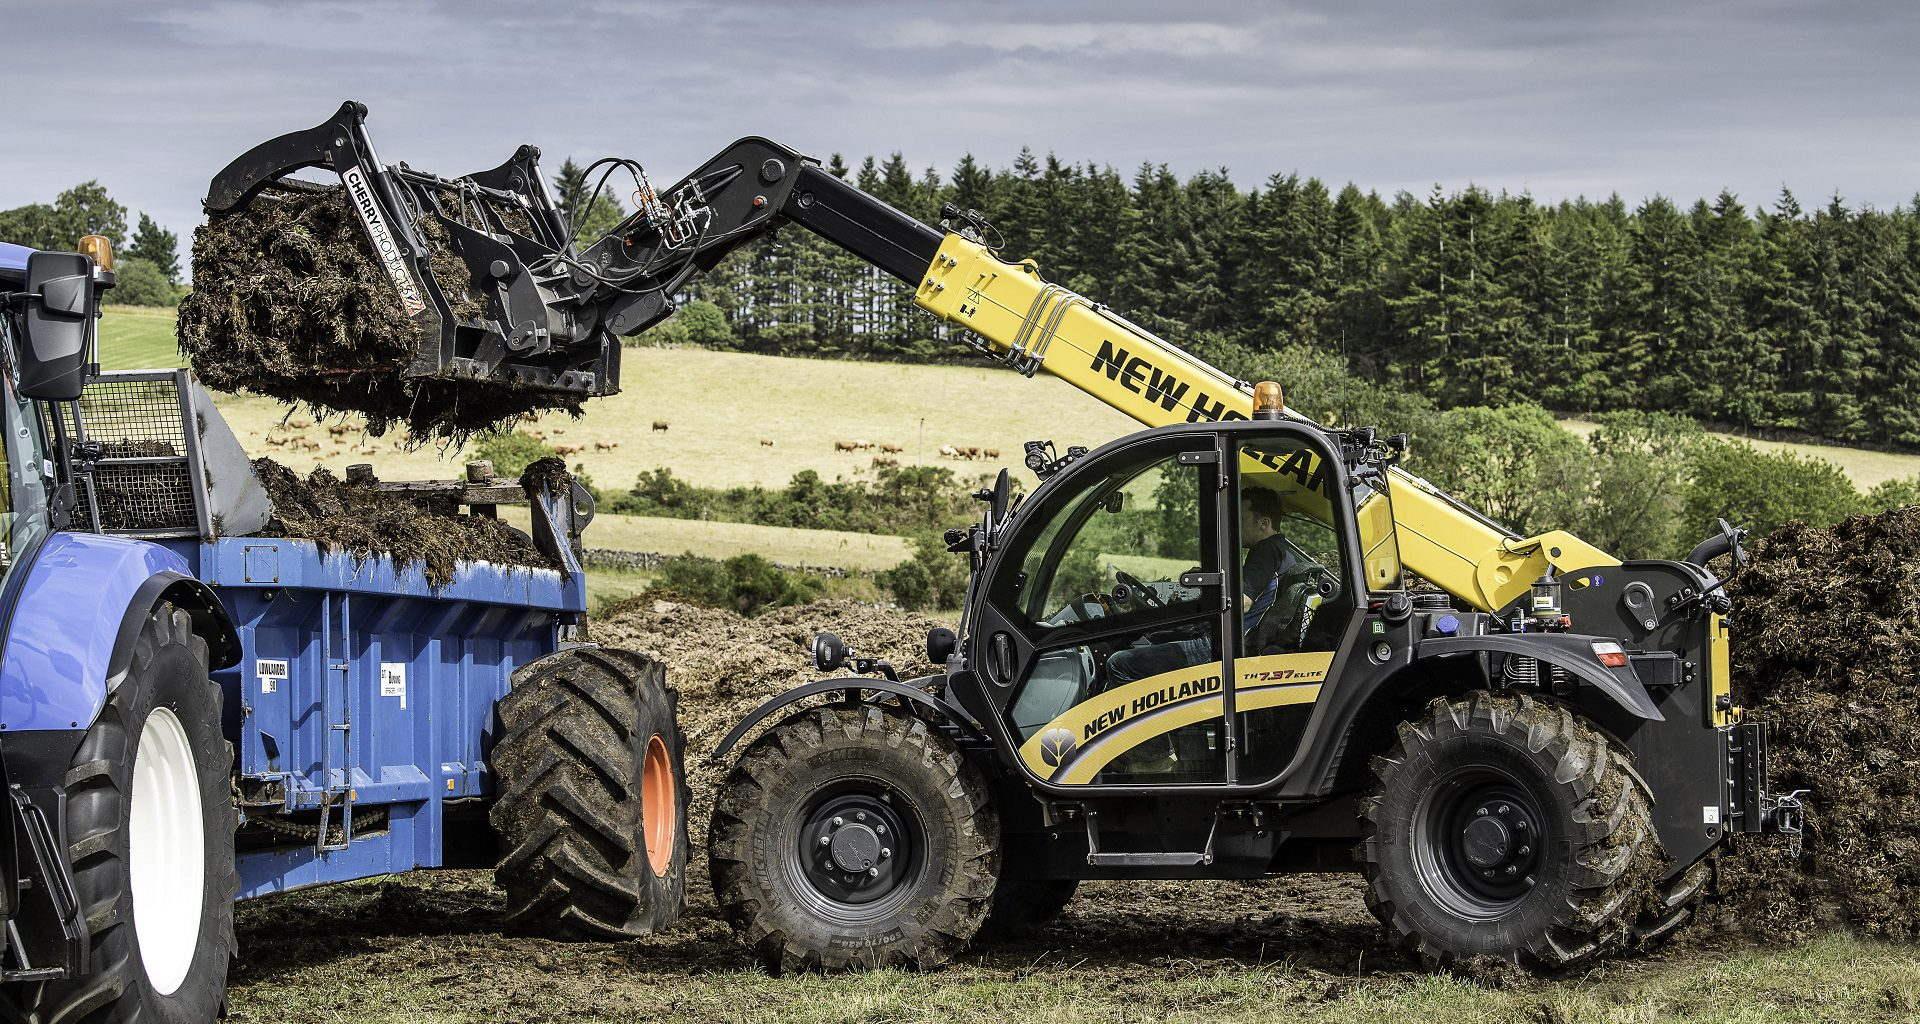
(1506, 826)
(592, 796)
(150, 823)
(854, 836)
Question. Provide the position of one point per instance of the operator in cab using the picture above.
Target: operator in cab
(1269, 558)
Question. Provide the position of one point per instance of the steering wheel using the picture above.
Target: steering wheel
(1148, 595)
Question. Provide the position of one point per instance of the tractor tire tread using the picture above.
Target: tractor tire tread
(573, 736)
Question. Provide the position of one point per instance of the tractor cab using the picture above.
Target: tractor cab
(1111, 610)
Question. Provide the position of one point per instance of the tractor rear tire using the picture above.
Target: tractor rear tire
(592, 797)
(150, 822)
(854, 836)
(1505, 826)
(1021, 905)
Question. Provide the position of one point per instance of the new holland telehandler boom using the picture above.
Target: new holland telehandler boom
(1543, 750)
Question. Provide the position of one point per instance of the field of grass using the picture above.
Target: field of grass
(1867, 469)
(137, 338)
(718, 407)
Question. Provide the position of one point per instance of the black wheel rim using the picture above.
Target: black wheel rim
(859, 852)
(1479, 841)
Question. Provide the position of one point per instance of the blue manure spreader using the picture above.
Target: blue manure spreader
(193, 713)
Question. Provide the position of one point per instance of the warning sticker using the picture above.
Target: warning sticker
(1710, 815)
(393, 681)
(271, 673)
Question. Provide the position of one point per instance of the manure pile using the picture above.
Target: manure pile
(1826, 651)
(289, 302)
(724, 664)
(364, 522)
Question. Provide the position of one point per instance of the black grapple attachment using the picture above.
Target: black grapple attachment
(486, 267)
(479, 263)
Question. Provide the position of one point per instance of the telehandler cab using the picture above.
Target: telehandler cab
(1526, 745)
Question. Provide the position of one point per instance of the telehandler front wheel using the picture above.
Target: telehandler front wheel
(150, 823)
(1506, 826)
(854, 836)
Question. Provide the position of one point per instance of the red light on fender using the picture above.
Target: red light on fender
(1610, 654)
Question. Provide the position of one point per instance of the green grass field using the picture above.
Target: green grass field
(137, 338)
(1867, 469)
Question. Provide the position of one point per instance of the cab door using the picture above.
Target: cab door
(1104, 617)
(1299, 589)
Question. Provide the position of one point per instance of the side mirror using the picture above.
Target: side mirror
(829, 652)
(941, 644)
(53, 349)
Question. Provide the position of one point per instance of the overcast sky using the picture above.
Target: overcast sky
(1678, 97)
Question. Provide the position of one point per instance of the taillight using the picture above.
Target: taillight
(1610, 654)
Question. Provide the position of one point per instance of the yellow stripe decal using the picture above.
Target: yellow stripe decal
(1085, 738)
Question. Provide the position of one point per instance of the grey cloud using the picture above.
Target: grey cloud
(1555, 98)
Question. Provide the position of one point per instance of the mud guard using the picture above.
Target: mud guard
(1569, 651)
(68, 637)
(910, 694)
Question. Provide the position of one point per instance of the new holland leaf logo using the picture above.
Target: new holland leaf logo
(1056, 745)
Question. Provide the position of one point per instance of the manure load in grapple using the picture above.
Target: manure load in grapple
(290, 301)
(434, 304)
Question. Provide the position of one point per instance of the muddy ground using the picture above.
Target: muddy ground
(288, 301)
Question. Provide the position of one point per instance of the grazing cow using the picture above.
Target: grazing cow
(605, 446)
(337, 429)
(991, 453)
(846, 446)
(969, 451)
(891, 449)
(299, 423)
(660, 425)
(538, 435)
(766, 442)
(863, 444)
(312, 446)
(566, 449)
(884, 460)
(949, 452)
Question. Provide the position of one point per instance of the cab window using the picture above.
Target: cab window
(1115, 547)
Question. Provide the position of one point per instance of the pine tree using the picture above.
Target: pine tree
(157, 246)
(1651, 363)
(1789, 337)
(1842, 286)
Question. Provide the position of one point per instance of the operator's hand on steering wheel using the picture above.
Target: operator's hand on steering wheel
(1147, 594)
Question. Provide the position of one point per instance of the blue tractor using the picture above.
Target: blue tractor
(192, 713)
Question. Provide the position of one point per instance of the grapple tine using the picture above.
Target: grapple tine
(311, 147)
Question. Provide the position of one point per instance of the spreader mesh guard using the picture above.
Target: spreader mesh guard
(144, 484)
